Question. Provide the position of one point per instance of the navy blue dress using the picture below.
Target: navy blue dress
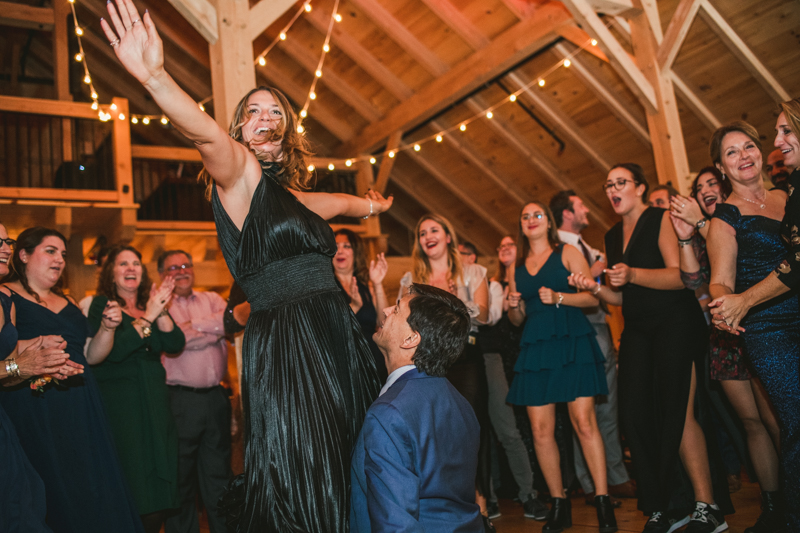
(559, 357)
(22, 500)
(66, 436)
(772, 337)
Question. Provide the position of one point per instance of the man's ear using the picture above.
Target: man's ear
(412, 341)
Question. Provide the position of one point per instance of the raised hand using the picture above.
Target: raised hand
(379, 203)
(159, 298)
(378, 268)
(135, 40)
(683, 229)
(686, 209)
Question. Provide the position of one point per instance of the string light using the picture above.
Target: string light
(567, 63)
(164, 120)
(463, 127)
(80, 57)
(311, 168)
(541, 82)
(438, 138)
(417, 148)
(312, 94)
(121, 116)
(489, 114)
(391, 153)
(134, 120)
(331, 167)
(348, 163)
(337, 17)
(146, 121)
(372, 160)
(305, 8)
(594, 42)
(300, 129)
(262, 61)
(512, 98)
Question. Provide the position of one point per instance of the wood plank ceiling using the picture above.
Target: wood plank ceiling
(423, 66)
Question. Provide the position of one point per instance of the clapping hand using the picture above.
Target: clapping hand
(135, 40)
(112, 315)
(686, 209)
(683, 229)
(378, 268)
(44, 357)
(159, 298)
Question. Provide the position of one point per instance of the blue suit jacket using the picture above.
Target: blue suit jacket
(414, 464)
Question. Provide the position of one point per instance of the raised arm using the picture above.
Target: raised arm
(329, 205)
(139, 49)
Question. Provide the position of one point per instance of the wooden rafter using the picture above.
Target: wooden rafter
(201, 15)
(613, 7)
(676, 32)
(549, 109)
(387, 164)
(521, 8)
(622, 62)
(362, 57)
(455, 19)
(694, 102)
(398, 33)
(605, 95)
(264, 13)
(466, 199)
(347, 94)
(540, 162)
(275, 76)
(515, 44)
(578, 37)
(22, 16)
(743, 53)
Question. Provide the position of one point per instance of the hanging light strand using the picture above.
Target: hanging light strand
(261, 58)
(80, 57)
(312, 94)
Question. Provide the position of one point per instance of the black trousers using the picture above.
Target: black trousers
(203, 420)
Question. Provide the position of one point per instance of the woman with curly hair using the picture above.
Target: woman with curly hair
(132, 380)
(308, 377)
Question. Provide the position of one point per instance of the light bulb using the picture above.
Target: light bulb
(513, 98)
(283, 36)
(489, 114)
(78, 57)
(135, 120)
(94, 105)
(304, 113)
(391, 153)
(146, 121)
(337, 17)
(164, 120)
(541, 83)
(594, 42)
(417, 148)
(300, 129)
(113, 107)
(201, 107)
(87, 79)
(326, 48)
(318, 73)
(331, 167)
(438, 138)
(94, 95)
(372, 160)
(312, 95)
(463, 127)
(78, 31)
(308, 8)
(311, 168)
(567, 63)
(121, 116)
(348, 163)
(262, 61)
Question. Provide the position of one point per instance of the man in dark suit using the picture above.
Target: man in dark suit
(414, 463)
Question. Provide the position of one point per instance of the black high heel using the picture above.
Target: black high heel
(605, 514)
(560, 516)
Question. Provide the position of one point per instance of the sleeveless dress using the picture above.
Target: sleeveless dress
(307, 373)
(559, 358)
(665, 332)
(65, 434)
(22, 498)
(772, 338)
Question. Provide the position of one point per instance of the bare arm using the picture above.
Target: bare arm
(378, 268)
(329, 205)
(585, 283)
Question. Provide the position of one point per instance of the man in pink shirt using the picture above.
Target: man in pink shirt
(199, 403)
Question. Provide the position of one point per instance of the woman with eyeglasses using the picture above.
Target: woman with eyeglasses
(747, 243)
(133, 328)
(62, 425)
(727, 354)
(436, 261)
(559, 360)
(662, 346)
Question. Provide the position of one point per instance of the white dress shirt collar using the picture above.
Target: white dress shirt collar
(394, 376)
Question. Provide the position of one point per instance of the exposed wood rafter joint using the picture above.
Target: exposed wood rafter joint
(676, 32)
(264, 13)
(201, 15)
(455, 19)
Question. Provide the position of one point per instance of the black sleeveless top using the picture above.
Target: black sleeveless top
(643, 303)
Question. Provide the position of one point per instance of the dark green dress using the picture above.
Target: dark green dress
(133, 385)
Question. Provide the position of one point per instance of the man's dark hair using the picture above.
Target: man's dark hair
(671, 191)
(471, 247)
(442, 322)
(166, 255)
(558, 203)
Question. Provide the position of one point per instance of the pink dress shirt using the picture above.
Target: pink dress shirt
(204, 360)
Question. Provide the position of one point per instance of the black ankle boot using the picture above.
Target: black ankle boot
(772, 519)
(605, 514)
(560, 516)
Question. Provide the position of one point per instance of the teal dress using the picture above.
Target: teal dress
(559, 358)
(133, 384)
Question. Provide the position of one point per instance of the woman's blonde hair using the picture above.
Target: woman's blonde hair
(293, 172)
(791, 110)
(421, 270)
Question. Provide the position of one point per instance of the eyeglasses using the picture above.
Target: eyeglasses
(10, 242)
(528, 216)
(176, 268)
(618, 185)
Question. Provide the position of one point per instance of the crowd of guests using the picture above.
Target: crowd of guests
(114, 417)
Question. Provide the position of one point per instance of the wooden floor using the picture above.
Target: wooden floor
(747, 502)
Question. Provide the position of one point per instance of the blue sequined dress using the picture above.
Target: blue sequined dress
(772, 338)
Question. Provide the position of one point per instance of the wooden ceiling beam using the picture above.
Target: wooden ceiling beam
(465, 198)
(625, 66)
(337, 85)
(549, 109)
(22, 16)
(201, 15)
(603, 94)
(455, 19)
(579, 38)
(339, 128)
(382, 18)
(613, 7)
(515, 44)
(696, 105)
(743, 53)
(264, 13)
(469, 153)
(541, 163)
(676, 32)
(387, 163)
(522, 9)
(481, 240)
(361, 56)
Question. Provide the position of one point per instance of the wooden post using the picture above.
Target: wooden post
(233, 72)
(123, 165)
(62, 220)
(61, 70)
(664, 123)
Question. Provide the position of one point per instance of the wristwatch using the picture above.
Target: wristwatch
(701, 223)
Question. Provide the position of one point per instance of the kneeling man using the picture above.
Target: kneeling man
(414, 463)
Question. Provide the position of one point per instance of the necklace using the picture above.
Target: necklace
(761, 203)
